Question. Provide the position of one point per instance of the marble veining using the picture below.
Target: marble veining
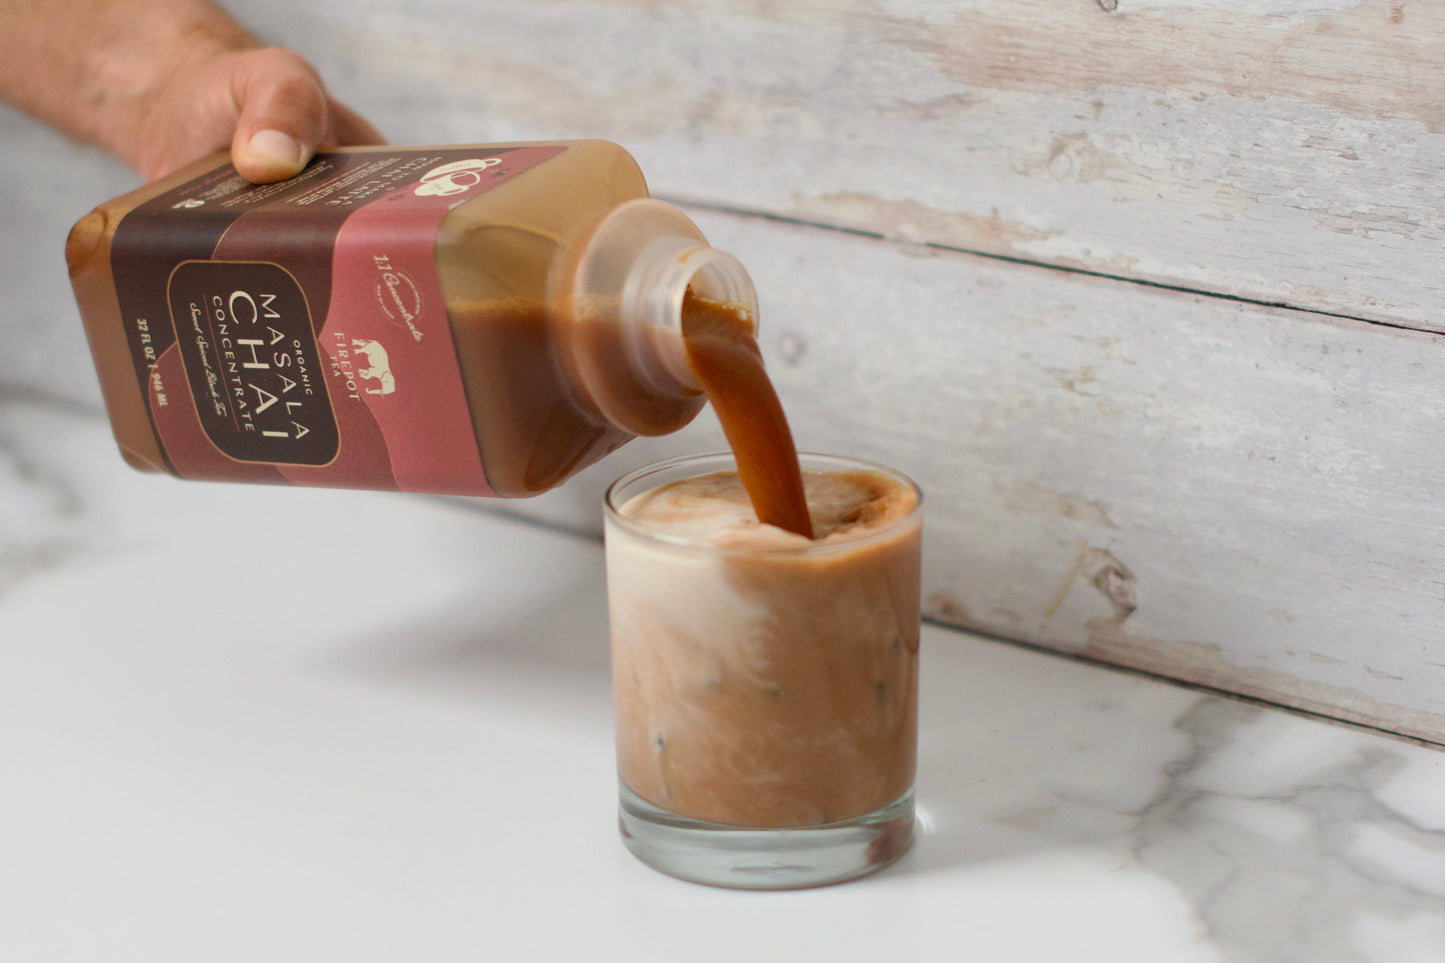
(163, 759)
(1237, 835)
(41, 509)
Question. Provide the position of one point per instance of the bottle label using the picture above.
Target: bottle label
(296, 332)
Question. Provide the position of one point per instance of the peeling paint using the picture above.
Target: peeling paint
(908, 220)
(1105, 573)
(1070, 379)
(1114, 581)
(945, 607)
(1031, 497)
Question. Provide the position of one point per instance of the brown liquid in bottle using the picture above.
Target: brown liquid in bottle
(537, 433)
(496, 256)
(724, 355)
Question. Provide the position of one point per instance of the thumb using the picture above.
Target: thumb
(281, 120)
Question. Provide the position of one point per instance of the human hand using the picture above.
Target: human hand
(160, 83)
(268, 105)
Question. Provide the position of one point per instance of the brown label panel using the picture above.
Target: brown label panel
(245, 337)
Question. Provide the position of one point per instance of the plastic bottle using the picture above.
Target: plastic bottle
(481, 320)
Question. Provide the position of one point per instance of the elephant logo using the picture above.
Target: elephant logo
(378, 367)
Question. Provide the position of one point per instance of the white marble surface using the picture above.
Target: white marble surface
(261, 724)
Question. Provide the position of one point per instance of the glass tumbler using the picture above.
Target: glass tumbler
(766, 693)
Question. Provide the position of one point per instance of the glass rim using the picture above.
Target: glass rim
(613, 512)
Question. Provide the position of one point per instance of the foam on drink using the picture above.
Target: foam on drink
(717, 510)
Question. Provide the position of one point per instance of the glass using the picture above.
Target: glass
(766, 695)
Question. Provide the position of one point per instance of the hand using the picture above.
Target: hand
(160, 83)
(268, 105)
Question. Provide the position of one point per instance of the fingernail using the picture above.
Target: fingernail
(272, 146)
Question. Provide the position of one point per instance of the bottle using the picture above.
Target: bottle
(480, 320)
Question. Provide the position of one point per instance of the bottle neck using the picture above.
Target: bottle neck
(622, 308)
(653, 308)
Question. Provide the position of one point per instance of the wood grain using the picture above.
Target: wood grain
(1236, 495)
(1287, 151)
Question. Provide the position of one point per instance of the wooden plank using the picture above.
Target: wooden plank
(1235, 495)
(1287, 152)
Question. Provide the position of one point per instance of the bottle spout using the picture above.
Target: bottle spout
(627, 288)
(654, 304)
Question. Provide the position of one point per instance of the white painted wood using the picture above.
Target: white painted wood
(1287, 151)
(1261, 483)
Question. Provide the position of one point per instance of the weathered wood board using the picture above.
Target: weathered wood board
(1144, 292)
(1239, 496)
(1287, 151)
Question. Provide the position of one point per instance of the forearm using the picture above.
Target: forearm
(93, 68)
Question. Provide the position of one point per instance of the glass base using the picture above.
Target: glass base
(744, 858)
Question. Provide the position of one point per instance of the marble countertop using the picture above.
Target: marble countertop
(261, 724)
